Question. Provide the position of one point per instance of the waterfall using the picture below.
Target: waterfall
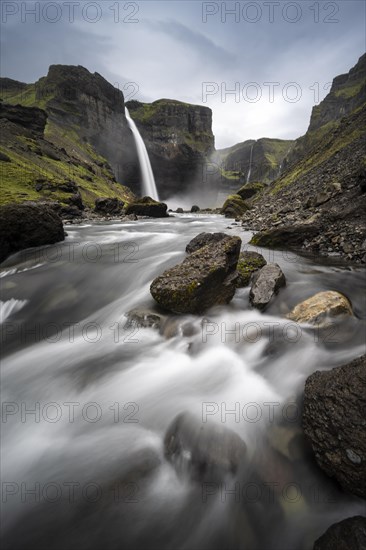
(148, 181)
(250, 164)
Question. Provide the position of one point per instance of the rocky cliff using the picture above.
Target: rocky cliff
(86, 119)
(179, 140)
(251, 161)
(321, 196)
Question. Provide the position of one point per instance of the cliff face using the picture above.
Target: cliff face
(347, 94)
(179, 140)
(77, 144)
(253, 161)
(86, 118)
(324, 189)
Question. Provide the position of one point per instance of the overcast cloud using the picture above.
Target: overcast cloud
(196, 51)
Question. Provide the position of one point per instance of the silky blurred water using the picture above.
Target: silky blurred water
(86, 469)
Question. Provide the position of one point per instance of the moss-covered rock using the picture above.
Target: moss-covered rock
(249, 262)
(202, 239)
(286, 237)
(249, 190)
(234, 207)
(205, 278)
(147, 207)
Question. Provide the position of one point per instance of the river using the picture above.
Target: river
(87, 398)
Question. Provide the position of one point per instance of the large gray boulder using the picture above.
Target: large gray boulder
(204, 279)
(267, 282)
(349, 534)
(147, 207)
(206, 451)
(334, 422)
(28, 225)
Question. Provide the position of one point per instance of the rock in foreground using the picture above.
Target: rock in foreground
(320, 308)
(206, 451)
(202, 239)
(204, 279)
(249, 262)
(28, 225)
(349, 534)
(334, 421)
(147, 207)
(267, 282)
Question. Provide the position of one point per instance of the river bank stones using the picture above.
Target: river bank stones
(267, 282)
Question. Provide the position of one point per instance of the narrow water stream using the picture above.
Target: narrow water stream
(86, 469)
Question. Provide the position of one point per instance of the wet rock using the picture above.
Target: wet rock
(321, 308)
(249, 262)
(147, 207)
(234, 207)
(334, 422)
(144, 318)
(27, 225)
(179, 210)
(286, 237)
(267, 282)
(205, 451)
(202, 239)
(195, 208)
(109, 206)
(349, 534)
(205, 278)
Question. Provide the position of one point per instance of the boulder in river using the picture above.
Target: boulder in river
(249, 262)
(206, 451)
(349, 534)
(205, 278)
(147, 207)
(318, 309)
(266, 283)
(202, 239)
(334, 422)
(195, 208)
(27, 225)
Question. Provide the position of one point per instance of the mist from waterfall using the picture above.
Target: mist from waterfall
(148, 180)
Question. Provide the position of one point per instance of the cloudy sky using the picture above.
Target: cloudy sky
(259, 65)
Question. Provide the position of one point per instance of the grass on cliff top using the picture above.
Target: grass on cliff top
(332, 142)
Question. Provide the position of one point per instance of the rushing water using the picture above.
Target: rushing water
(148, 180)
(87, 469)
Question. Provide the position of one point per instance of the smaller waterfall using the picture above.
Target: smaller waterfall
(148, 180)
(250, 164)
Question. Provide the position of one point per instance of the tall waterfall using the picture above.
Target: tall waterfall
(250, 164)
(148, 181)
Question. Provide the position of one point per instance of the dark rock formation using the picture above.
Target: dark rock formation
(204, 279)
(195, 208)
(32, 119)
(27, 225)
(266, 283)
(109, 206)
(179, 140)
(249, 263)
(286, 237)
(249, 190)
(147, 207)
(202, 239)
(334, 422)
(349, 534)
(207, 452)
